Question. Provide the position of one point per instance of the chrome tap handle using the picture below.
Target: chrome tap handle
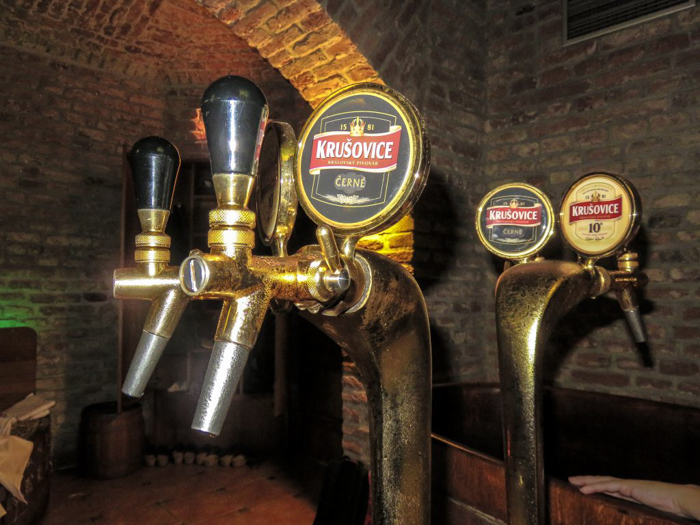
(337, 278)
(329, 248)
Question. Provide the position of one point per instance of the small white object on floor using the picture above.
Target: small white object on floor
(225, 460)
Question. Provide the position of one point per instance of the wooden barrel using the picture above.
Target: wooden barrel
(111, 444)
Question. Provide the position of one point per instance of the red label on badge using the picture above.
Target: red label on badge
(377, 152)
(514, 216)
(599, 210)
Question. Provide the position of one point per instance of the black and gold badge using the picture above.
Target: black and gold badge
(359, 158)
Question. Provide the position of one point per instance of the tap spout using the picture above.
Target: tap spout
(168, 303)
(389, 341)
(530, 300)
(239, 325)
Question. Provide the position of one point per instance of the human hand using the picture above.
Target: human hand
(682, 500)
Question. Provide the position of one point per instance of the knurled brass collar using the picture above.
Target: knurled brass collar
(150, 255)
(232, 217)
(231, 236)
(628, 261)
(152, 240)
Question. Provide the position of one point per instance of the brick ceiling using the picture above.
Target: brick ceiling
(190, 42)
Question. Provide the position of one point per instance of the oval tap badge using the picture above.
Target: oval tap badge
(363, 160)
(600, 213)
(515, 221)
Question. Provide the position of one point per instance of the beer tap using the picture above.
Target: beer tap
(154, 165)
(360, 165)
(599, 215)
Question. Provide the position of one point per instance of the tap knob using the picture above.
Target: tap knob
(235, 113)
(154, 165)
(337, 278)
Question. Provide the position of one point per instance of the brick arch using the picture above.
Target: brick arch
(300, 39)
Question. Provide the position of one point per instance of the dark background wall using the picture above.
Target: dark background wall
(434, 53)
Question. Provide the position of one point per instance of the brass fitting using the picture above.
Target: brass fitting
(625, 283)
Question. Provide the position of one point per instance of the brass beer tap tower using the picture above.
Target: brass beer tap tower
(600, 214)
(360, 165)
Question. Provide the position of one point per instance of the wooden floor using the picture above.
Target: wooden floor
(182, 495)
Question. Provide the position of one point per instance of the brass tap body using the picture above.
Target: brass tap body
(151, 280)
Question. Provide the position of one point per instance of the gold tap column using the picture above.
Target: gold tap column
(362, 163)
(599, 215)
(530, 300)
(389, 341)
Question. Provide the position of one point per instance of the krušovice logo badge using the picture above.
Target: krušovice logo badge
(513, 220)
(596, 210)
(352, 157)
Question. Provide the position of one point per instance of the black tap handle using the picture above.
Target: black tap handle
(235, 113)
(155, 163)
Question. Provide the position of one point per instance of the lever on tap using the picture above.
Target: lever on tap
(337, 278)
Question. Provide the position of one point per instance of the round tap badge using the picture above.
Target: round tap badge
(515, 221)
(599, 214)
(363, 160)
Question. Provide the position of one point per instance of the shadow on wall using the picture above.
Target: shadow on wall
(435, 243)
(435, 231)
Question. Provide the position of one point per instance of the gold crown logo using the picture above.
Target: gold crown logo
(357, 127)
(595, 197)
(513, 203)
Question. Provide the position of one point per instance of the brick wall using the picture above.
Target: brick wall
(627, 103)
(299, 38)
(61, 148)
(80, 81)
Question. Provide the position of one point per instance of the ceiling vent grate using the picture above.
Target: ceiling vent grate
(590, 18)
